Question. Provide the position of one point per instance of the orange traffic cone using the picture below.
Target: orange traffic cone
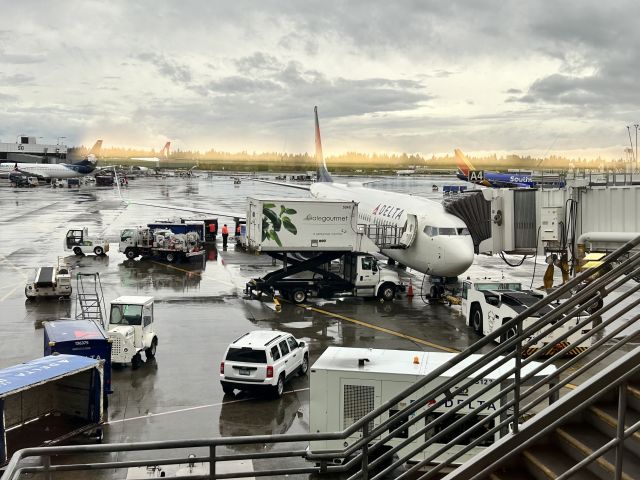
(410, 290)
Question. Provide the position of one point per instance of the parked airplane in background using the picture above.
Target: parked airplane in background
(468, 173)
(435, 242)
(54, 170)
(164, 154)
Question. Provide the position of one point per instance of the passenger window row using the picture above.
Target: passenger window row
(435, 231)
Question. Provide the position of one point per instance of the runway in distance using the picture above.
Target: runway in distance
(54, 170)
(439, 243)
(468, 173)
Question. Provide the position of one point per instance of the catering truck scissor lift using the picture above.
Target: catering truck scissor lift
(324, 251)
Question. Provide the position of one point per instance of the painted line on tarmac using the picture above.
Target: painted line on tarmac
(9, 293)
(189, 409)
(382, 329)
(6, 260)
(229, 284)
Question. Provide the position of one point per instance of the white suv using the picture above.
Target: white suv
(264, 360)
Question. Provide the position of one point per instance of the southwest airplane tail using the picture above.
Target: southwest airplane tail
(323, 172)
(463, 163)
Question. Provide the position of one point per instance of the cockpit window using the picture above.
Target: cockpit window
(447, 231)
(463, 231)
(431, 231)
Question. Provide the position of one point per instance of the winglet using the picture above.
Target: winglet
(323, 172)
(464, 165)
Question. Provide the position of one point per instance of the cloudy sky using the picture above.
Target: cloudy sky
(409, 76)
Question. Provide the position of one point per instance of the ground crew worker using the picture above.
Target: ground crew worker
(212, 231)
(238, 230)
(225, 235)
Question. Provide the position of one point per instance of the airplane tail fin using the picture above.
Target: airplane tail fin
(464, 165)
(95, 150)
(323, 172)
(165, 150)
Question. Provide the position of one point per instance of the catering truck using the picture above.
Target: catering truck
(324, 251)
(49, 400)
(488, 304)
(348, 383)
(302, 225)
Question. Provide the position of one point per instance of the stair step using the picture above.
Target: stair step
(552, 462)
(608, 413)
(514, 473)
(586, 440)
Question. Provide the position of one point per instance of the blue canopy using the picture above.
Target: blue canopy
(41, 370)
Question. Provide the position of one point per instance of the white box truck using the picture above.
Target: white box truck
(301, 224)
(344, 388)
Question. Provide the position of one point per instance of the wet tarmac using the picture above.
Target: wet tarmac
(200, 307)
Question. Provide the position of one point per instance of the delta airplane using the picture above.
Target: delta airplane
(54, 170)
(164, 153)
(436, 242)
(468, 173)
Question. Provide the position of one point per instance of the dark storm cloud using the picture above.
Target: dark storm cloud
(264, 82)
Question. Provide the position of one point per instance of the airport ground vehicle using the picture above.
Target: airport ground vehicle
(49, 400)
(328, 275)
(79, 337)
(79, 242)
(161, 242)
(487, 304)
(263, 360)
(131, 330)
(348, 383)
(51, 281)
(323, 250)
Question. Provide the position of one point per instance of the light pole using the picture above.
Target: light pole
(636, 155)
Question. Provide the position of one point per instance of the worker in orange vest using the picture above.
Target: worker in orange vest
(212, 230)
(225, 235)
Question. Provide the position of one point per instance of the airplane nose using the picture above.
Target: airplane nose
(458, 255)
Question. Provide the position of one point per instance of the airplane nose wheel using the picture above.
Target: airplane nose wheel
(435, 293)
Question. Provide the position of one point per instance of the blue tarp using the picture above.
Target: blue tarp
(74, 330)
(18, 377)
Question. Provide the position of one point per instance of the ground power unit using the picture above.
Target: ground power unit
(348, 383)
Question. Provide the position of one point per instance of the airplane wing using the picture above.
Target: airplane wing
(285, 184)
(217, 213)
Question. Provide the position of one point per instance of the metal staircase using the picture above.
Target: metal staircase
(89, 298)
(591, 431)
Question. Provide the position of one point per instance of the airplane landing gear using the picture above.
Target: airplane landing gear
(439, 287)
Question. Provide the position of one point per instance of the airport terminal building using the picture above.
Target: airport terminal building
(27, 150)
